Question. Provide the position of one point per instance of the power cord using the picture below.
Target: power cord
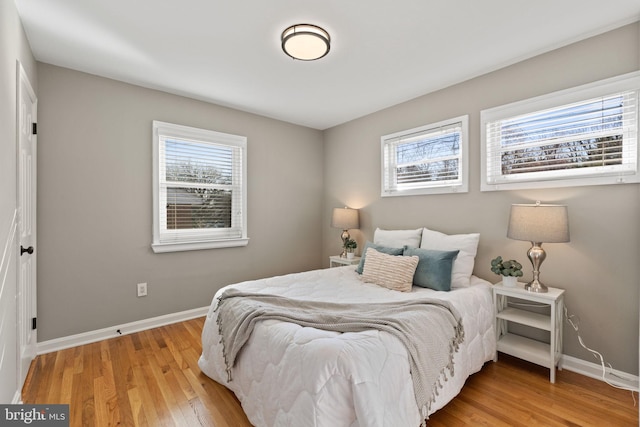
(597, 355)
(574, 322)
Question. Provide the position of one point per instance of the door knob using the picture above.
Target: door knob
(29, 250)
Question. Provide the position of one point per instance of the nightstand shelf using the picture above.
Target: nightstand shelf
(538, 352)
(528, 318)
(338, 261)
(527, 349)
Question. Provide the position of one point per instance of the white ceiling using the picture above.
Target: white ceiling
(383, 52)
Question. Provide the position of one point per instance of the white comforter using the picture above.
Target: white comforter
(288, 375)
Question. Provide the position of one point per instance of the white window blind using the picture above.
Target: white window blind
(200, 197)
(425, 160)
(590, 141)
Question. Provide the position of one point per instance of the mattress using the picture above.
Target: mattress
(289, 375)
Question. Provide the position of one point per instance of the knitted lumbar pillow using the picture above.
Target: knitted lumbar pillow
(389, 271)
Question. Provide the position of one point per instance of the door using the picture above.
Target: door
(26, 169)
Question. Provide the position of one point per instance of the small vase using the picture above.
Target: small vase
(509, 281)
(350, 255)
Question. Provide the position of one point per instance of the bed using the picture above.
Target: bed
(292, 375)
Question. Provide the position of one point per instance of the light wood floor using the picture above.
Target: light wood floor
(152, 379)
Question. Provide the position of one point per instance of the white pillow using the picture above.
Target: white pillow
(397, 238)
(389, 271)
(467, 244)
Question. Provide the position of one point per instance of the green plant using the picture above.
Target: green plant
(506, 268)
(350, 244)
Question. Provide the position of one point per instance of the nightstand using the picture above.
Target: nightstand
(525, 348)
(337, 261)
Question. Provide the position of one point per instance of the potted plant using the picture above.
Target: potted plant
(509, 270)
(350, 246)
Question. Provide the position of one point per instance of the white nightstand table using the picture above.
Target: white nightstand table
(525, 348)
(337, 261)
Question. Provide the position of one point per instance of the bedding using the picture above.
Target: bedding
(379, 248)
(434, 268)
(389, 271)
(467, 244)
(411, 322)
(291, 375)
(398, 238)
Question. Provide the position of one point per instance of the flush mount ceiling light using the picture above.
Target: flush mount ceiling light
(305, 42)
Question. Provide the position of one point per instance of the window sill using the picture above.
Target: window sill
(556, 183)
(447, 189)
(196, 246)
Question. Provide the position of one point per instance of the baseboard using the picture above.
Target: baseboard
(594, 370)
(112, 332)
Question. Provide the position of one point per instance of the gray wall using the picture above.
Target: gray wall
(599, 268)
(94, 201)
(13, 47)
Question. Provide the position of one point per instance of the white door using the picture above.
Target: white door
(26, 292)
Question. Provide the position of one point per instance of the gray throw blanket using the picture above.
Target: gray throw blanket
(431, 330)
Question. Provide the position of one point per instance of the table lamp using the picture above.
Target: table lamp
(345, 219)
(538, 224)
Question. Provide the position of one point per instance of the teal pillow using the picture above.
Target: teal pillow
(434, 268)
(384, 249)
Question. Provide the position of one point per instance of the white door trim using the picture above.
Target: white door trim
(27, 107)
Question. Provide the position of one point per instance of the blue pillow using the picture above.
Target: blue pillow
(434, 268)
(379, 248)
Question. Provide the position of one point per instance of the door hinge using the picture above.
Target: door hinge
(34, 128)
(33, 323)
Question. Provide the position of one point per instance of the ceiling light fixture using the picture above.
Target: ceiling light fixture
(305, 42)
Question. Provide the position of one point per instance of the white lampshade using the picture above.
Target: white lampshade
(539, 223)
(305, 42)
(345, 218)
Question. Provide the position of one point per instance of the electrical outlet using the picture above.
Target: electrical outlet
(142, 289)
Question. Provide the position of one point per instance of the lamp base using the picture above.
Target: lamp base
(344, 236)
(536, 255)
(536, 286)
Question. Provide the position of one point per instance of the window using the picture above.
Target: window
(430, 159)
(582, 136)
(199, 189)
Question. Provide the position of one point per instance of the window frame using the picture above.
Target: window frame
(559, 99)
(434, 187)
(205, 238)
